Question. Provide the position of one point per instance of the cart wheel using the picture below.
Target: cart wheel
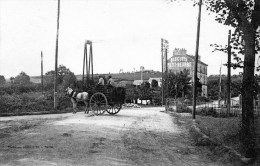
(114, 109)
(98, 103)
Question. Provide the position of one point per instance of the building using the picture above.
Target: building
(158, 79)
(138, 82)
(181, 60)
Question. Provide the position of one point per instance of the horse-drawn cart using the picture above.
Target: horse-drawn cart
(106, 98)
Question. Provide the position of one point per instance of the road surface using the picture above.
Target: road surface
(138, 136)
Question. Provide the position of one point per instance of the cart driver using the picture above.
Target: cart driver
(111, 81)
(101, 80)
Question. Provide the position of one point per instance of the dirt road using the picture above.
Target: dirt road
(143, 136)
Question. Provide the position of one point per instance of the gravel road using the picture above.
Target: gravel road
(139, 136)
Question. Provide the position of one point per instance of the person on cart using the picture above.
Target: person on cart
(111, 82)
(101, 80)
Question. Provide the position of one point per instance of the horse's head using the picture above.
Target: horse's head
(68, 91)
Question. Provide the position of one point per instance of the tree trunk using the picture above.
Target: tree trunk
(248, 128)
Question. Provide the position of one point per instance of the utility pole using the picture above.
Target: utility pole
(219, 92)
(229, 74)
(42, 71)
(164, 49)
(84, 59)
(141, 70)
(166, 69)
(162, 72)
(91, 62)
(196, 64)
(56, 58)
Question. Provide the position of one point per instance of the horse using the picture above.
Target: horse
(75, 97)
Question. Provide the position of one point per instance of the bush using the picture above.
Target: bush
(32, 102)
(202, 99)
(26, 102)
(182, 108)
(22, 79)
(18, 89)
(207, 111)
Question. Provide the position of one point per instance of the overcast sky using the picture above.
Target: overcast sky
(126, 34)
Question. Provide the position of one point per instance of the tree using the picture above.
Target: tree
(145, 91)
(65, 76)
(154, 83)
(69, 79)
(131, 93)
(179, 84)
(213, 86)
(243, 16)
(22, 78)
(2, 80)
(12, 80)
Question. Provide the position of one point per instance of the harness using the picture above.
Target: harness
(73, 94)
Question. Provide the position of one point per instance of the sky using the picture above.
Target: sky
(126, 34)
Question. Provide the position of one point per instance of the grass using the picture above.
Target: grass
(33, 102)
(225, 132)
(221, 130)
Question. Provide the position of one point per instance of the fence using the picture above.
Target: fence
(207, 107)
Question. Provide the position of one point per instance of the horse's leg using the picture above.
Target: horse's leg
(74, 105)
(86, 109)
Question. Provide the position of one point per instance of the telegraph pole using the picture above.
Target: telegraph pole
(56, 58)
(229, 74)
(162, 72)
(196, 64)
(219, 93)
(83, 74)
(166, 69)
(91, 62)
(42, 71)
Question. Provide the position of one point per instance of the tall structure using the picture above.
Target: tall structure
(181, 60)
(87, 63)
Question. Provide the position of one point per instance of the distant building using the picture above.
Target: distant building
(159, 80)
(124, 83)
(181, 60)
(138, 82)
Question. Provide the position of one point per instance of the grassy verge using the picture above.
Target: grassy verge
(223, 131)
(31, 103)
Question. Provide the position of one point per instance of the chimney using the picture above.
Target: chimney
(183, 51)
(178, 51)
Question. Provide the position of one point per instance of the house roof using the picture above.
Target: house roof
(199, 61)
(138, 82)
(124, 83)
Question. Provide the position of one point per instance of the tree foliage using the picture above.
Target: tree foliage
(145, 91)
(180, 82)
(12, 80)
(213, 86)
(2, 80)
(154, 83)
(131, 93)
(244, 17)
(64, 76)
(22, 79)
